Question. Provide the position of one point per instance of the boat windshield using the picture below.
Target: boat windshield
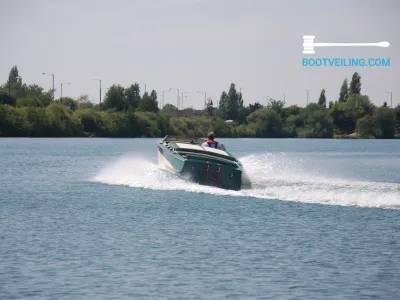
(186, 140)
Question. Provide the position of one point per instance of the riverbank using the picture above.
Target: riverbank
(313, 121)
(29, 111)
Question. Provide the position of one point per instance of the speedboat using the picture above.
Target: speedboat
(187, 158)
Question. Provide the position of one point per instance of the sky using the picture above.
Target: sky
(200, 46)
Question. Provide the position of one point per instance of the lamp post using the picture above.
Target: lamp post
(307, 95)
(398, 103)
(162, 104)
(100, 90)
(53, 81)
(178, 95)
(61, 89)
(390, 98)
(205, 97)
(103, 89)
(182, 99)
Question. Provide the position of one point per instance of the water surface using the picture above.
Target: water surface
(96, 219)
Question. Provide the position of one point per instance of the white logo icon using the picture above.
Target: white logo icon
(308, 44)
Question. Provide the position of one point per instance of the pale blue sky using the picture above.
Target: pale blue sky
(198, 45)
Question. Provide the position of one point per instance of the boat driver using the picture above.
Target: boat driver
(210, 141)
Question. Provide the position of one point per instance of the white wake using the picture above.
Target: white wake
(274, 176)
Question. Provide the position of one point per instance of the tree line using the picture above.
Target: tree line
(30, 111)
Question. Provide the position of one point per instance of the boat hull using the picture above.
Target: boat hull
(203, 170)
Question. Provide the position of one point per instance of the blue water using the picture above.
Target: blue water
(96, 219)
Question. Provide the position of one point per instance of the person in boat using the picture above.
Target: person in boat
(211, 143)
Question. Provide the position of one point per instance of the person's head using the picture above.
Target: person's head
(211, 136)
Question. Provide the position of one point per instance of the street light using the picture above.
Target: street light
(103, 89)
(178, 95)
(390, 98)
(307, 95)
(162, 104)
(205, 97)
(61, 89)
(53, 81)
(399, 101)
(100, 89)
(182, 99)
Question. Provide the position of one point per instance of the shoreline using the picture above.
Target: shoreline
(336, 137)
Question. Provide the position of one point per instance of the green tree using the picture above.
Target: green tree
(240, 100)
(221, 128)
(397, 112)
(355, 84)
(132, 95)
(365, 126)
(243, 113)
(317, 123)
(7, 99)
(12, 122)
(29, 102)
(346, 114)
(70, 103)
(149, 102)
(63, 122)
(322, 99)
(266, 122)
(233, 103)
(291, 124)
(344, 91)
(37, 120)
(93, 122)
(278, 106)
(338, 112)
(292, 110)
(384, 122)
(223, 105)
(14, 82)
(209, 107)
(357, 106)
(30, 111)
(255, 106)
(170, 110)
(33, 90)
(84, 102)
(115, 98)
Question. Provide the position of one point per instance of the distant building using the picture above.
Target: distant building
(190, 112)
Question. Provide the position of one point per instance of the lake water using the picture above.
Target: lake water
(96, 219)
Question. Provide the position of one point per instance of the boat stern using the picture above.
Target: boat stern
(213, 174)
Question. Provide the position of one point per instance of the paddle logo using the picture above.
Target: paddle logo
(309, 46)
